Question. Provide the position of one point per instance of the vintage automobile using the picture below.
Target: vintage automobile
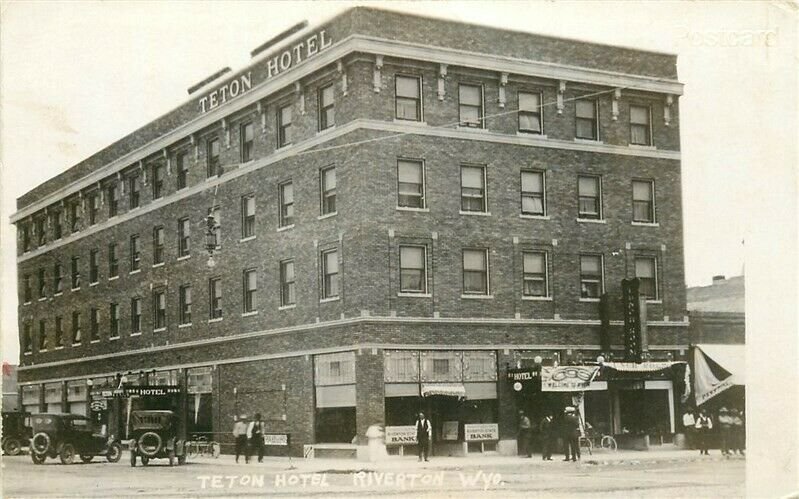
(16, 432)
(154, 434)
(69, 435)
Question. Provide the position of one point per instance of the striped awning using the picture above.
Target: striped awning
(643, 367)
(449, 389)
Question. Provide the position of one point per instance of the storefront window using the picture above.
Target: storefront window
(443, 366)
(52, 397)
(200, 400)
(76, 397)
(30, 398)
(334, 378)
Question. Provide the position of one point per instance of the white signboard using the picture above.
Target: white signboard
(481, 432)
(401, 435)
(281, 439)
(450, 430)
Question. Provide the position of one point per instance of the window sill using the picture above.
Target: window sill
(43, 298)
(589, 300)
(475, 213)
(534, 217)
(26, 303)
(285, 227)
(655, 302)
(159, 330)
(95, 341)
(417, 210)
(93, 284)
(541, 136)
(473, 129)
(327, 215)
(587, 141)
(245, 239)
(161, 264)
(135, 334)
(477, 297)
(645, 224)
(58, 294)
(113, 338)
(537, 298)
(75, 289)
(415, 295)
(591, 220)
(642, 146)
(218, 319)
(114, 278)
(184, 326)
(27, 353)
(134, 271)
(60, 348)
(249, 314)
(76, 344)
(287, 307)
(43, 350)
(184, 257)
(401, 121)
(327, 300)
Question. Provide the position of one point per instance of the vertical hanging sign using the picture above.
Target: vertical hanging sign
(632, 320)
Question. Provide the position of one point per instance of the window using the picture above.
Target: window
(42, 284)
(26, 238)
(640, 129)
(475, 272)
(113, 201)
(94, 208)
(591, 278)
(212, 159)
(284, 126)
(77, 333)
(41, 232)
(59, 332)
(183, 169)
(530, 113)
(216, 213)
(441, 366)
(184, 296)
(533, 193)
(247, 216)
(134, 188)
(113, 315)
(250, 286)
(158, 245)
(58, 229)
(586, 118)
(287, 296)
(413, 269)
(215, 298)
(589, 191)
(159, 309)
(58, 278)
(135, 315)
(27, 290)
(408, 101)
(135, 253)
(74, 216)
(330, 278)
(27, 340)
(94, 324)
(328, 190)
(94, 268)
(646, 272)
(286, 193)
(327, 109)
(159, 172)
(410, 184)
(75, 272)
(334, 369)
(43, 335)
(473, 188)
(113, 260)
(643, 201)
(535, 274)
(184, 237)
(247, 141)
(470, 99)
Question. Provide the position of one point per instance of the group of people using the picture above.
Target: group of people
(567, 428)
(249, 437)
(729, 423)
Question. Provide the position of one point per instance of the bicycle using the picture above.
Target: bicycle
(201, 446)
(607, 442)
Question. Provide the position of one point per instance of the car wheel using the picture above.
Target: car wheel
(86, 458)
(172, 457)
(12, 447)
(37, 458)
(67, 454)
(40, 443)
(133, 458)
(150, 444)
(114, 453)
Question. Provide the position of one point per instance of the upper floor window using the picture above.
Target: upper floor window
(327, 107)
(591, 276)
(413, 269)
(26, 238)
(159, 309)
(74, 216)
(135, 315)
(216, 214)
(327, 184)
(42, 284)
(43, 343)
(286, 195)
(184, 297)
(113, 324)
(643, 201)
(158, 245)
(113, 200)
(475, 272)
(27, 289)
(586, 118)
(247, 141)
(159, 173)
(94, 324)
(248, 216)
(473, 193)
(113, 260)
(589, 191)
(215, 298)
(58, 230)
(94, 208)
(470, 100)
(250, 287)
(77, 332)
(287, 293)
(533, 193)
(135, 253)
(134, 188)
(27, 337)
(640, 127)
(59, 332)
(330, 277)
(284, 126)
(182, 160)
(41, 232)
(184, 237)
(646, 272)
(75, 270)
(535, 274)
(408, 100)
(212, 159)
(94, 266)
(58, 278)
(530, 113)
(410, 184)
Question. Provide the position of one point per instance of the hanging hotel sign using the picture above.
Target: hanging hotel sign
(481, 432)
(280, 63)
(400, 435)
(567, 378)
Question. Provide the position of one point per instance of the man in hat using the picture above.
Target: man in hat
(255, 433)
(737, 432)
(571, 434)
(548, 437)
(725, 428)
(703, 426)
(240, 436)
(424, 433)
(523, 438)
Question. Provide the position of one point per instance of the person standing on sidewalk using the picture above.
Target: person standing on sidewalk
(688, 424)
(523, 438)
(240, 435)
(571, 434)
(255, 433)
(703, 426)
(738, 434)
(547, 433)
(725, 428)
(424, 433)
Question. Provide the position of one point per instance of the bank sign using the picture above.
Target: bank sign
(484, 432)
(276, 65)
(401, 435)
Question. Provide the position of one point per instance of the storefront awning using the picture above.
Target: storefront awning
(717, 368)
(643, 367)
(448, 389)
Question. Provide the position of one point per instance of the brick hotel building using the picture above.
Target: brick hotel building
(405, 209)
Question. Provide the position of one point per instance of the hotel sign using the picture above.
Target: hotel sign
(280, 63)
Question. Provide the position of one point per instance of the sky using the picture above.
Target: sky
(76, 76)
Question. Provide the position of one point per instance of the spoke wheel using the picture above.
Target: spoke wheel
(12, 447)
(114, 453)
(67, 454)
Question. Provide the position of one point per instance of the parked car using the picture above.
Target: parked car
(16, 432)
(154, 435)
(68, 435)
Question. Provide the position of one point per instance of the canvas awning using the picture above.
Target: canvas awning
(643, 367)
(449, 389)
(717, 368)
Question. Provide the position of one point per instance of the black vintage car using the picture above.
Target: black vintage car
(69, 435)
(16, 432)
(154, 434)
